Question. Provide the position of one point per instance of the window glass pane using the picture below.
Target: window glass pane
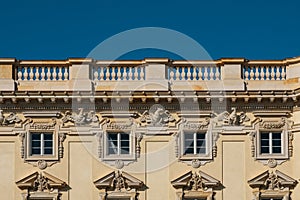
(201, 151)
(35, 151)
(48, 136)
(264, 135)
(200, 136)
(112, 143)
(48, 144)
(36, 136)
(124, 136)
(264, 150)
(276, 136)
(276, 149)
(48, 151)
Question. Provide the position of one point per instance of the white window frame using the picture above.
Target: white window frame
(118, 143)
(284, 145)
(42, 141)
(47, 157)
(124, 157)
(195, 133)
(208, 146)
(270, 140)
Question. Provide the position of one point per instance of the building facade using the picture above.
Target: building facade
(149, 129)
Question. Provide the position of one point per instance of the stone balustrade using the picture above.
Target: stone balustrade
(230, 74)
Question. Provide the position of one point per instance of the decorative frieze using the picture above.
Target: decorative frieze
(233, 118)
(81, 118)
(11, 118)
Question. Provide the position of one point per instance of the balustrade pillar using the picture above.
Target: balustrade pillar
(232, 74)
(6, 75)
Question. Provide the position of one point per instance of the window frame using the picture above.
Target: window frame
(47, 157)
(124, 157)
(119, 146)
(195, 146)
(208, 155)
(284, 145)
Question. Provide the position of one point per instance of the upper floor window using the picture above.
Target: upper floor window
(41, 144)
(271, 143)
(118, 143)
(194, 143)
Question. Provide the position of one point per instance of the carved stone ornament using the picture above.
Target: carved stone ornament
(43, 126)
(195, 184)
(156, 116)
(233, 118)
(273, 124)
(11, 118)
(272, 182)
(81, 118)
(41, 184)
(195, 126)
(118, 181)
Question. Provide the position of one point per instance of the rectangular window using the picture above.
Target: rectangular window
(271, 198)
(41, 144)
(194, 198)
(194, 143)
(271, 143)
(118, 143)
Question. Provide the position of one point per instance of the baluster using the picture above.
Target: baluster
(211, 74)
(251, 73)
(48, 73)
(26, 73)
(267, 73)
(194, 75)
(136, 73)
(171, 73)
(54, 74)
(101, 73)
(200, 74)
(256, 73)
(113, 73)
(107, 74)
(96, 73)
(119, 73)
(283, 74)
(19, 73)
(277, 73)
(130, 73)
(66, 74)
(60, 73)
(218, 73)
(177, 73)
(37, 73)
(188, 73)
(31, 73)
(43, 73)
(246, 73)
(272, 73)
(205, 73)
(142, 74)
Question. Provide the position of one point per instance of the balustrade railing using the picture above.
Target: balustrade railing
(264, 72)
(194, 73)
(43, 73)
(118, 73)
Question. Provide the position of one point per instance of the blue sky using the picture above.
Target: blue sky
(61, 29)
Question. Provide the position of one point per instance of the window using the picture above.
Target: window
(41, 144)
(271, 143)
(194, 198)
(276, 198)
(194, 143)
(118, 143)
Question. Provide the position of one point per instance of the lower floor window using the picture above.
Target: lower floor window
(276, 198)
(194, 198)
